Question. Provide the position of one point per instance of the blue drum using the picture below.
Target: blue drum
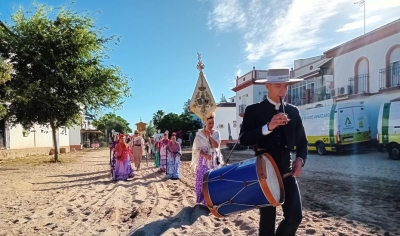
(243, 186)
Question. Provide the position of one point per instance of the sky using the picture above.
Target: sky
(160, 40)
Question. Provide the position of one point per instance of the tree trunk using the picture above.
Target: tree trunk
(53, 131)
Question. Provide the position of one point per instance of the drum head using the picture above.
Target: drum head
(270, 179)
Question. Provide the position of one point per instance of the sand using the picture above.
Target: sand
(77, 197)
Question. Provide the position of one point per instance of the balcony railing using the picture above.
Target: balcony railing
(316, 95)
(320, 94)
(389, 76)
(242, 108)
(359, 83)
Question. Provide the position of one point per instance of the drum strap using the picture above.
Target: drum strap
(227, 160)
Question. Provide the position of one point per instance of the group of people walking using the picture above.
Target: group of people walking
(125, 150)
(167, 152)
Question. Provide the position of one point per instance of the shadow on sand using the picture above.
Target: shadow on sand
(187, 216)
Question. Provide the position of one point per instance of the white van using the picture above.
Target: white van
(389, 129)
(338, 127)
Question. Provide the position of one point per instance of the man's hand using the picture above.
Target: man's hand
(297, 166)
(277, 120)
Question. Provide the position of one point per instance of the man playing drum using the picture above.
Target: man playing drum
(276, 127)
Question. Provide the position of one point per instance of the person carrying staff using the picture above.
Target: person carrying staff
(276, 127)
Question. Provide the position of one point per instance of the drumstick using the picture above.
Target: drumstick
(287, 174)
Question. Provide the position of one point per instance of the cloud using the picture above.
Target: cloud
(359, 24)
(239, 72)
(277, 30)
(226, 14)
(375, 12)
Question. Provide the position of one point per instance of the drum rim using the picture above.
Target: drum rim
(207, 197)
(262, 175)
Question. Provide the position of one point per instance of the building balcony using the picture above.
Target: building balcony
(389, 77)
(242, 108)
(310, 96)
(358, 84)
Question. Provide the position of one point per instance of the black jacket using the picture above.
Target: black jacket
(259, 114)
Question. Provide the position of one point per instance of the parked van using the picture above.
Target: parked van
(338, 127)
(389, 129)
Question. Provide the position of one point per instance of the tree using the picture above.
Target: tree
(186, 107)
(157, 117)
(150, 129)
(178, 123)
(111, 122)
(58, 69)
(5, 75)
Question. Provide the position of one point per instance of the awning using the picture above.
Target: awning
(310, 75)
(324, 61)
(91, 131)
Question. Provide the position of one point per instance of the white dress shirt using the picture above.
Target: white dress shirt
(265, 130)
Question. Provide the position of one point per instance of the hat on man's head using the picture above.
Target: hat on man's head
(121, 135)
(278, 76)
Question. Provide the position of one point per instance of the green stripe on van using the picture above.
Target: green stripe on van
(332, 125)
(385, 123)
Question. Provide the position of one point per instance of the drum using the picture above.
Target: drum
(243, 186)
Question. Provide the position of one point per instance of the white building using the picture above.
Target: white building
(225, 121)
(366, 69)
(248, 92)
(16, 141)
(318, 81)
(83, 135)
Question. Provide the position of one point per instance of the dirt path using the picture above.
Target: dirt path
(78, 198)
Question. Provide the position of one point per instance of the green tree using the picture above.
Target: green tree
(150, 129)
(5, 75)
(58, 61)
(110, 122)
(178, 123)
(186, 107)
(157, 117)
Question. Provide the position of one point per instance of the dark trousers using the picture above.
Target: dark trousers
(292, 212)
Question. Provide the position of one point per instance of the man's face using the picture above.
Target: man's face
(277, 90)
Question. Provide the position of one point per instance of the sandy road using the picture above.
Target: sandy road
(78, 198)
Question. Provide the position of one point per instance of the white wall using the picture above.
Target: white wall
(376, 53)
(63, 137)
(301, 62)
(75, 135)
(43, 135)
(248, 91)
(17, 140)
(253, 96)
(258, 93)
(223, 116)
(39, 137)
(310, 68)
(244, 78)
